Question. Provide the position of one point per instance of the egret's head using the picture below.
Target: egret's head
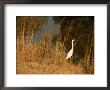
(73, 40)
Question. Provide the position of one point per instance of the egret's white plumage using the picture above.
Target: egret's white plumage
(70, 53)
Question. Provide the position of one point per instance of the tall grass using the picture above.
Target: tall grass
(37, 58)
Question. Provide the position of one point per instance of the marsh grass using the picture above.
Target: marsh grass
(38, 58)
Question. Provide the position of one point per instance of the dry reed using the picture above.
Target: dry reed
(36, 58)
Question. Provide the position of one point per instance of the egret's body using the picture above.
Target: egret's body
(70, 53)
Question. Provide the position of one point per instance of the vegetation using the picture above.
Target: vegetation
(38, 58)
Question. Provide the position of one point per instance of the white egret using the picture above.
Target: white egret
(70, 53)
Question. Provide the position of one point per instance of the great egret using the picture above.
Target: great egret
(70, 53)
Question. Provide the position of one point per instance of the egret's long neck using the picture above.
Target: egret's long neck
(72, 44)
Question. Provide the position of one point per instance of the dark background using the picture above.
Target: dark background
(56, 1)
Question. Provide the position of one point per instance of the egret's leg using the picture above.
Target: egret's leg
(72, 60)
(68, 60)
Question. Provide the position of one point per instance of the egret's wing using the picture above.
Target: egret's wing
(69, 54)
